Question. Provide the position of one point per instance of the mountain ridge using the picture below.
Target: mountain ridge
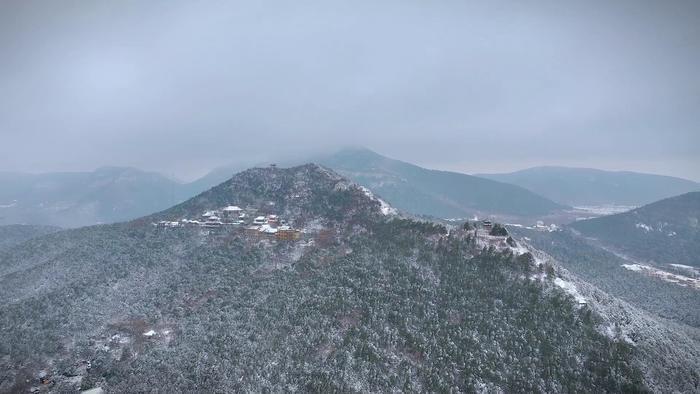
(590, 186)
(364, 301)
(113, 194)
(74, 199)
(281, 196)
(663, 232)
(435, 192)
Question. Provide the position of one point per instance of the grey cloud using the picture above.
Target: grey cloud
(184, 86)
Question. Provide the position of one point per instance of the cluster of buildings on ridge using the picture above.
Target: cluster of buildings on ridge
(232, 215)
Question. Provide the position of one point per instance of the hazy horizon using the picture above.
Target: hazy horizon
(181, 88)
(295, 158)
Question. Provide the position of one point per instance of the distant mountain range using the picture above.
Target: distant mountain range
(441, 194)
(364, 300)
(116, 194)
(418, 190)
(590, 187)
(665, 232)
(74, 199)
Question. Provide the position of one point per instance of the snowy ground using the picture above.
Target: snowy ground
(540, 258)
(385, 208)
(570, 288)
(692, 271)
(680, 280)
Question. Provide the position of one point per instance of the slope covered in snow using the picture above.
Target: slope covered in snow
(361, 301)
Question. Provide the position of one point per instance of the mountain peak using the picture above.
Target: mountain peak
(301, 194)
(436, 193)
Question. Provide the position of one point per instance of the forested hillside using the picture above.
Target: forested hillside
(364, 301)
(665, 232)
(15, 234)
(607, 271)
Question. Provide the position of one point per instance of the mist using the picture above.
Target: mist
(182, 87)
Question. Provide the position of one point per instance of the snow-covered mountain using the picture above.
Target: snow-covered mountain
(116, 194)
(346, 295)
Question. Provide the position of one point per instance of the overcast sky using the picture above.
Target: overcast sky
(181, 87)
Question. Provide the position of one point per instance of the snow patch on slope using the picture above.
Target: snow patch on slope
(644, 227)
(686, 268)
(384, 207)
(679, 280)
(571, 289)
